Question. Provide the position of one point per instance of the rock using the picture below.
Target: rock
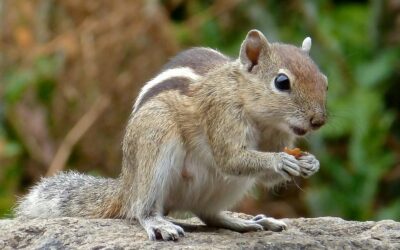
(303, 233)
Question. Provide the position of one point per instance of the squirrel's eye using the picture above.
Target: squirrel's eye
(282, 82)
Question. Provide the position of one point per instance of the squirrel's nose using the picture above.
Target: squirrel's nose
(317, 121)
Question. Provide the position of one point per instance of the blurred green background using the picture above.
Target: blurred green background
(70, 71)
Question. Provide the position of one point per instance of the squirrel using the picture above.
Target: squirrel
(192, 142)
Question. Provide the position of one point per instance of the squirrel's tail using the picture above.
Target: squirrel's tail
(72, 194)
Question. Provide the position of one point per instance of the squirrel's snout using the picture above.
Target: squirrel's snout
(317, 121)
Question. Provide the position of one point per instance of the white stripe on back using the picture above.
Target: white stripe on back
(184, 72)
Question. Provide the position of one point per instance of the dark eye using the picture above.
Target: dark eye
(282, 82)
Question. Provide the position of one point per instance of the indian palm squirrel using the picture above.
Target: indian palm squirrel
(192, 142)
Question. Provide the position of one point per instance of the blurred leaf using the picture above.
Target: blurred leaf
(16, 84)
(45, 89)
(392, 211)
(376, 71)
(211, 34)
(12, 149)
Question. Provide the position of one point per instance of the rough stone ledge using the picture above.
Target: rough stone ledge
(303, 233)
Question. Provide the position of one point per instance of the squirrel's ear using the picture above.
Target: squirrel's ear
(252, 47)
(306, 45)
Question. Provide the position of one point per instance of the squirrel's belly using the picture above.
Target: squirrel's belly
(200, 187)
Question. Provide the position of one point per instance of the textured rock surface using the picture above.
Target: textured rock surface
(303, 233)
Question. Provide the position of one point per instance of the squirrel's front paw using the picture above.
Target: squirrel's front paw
(270, 223)
(287, 165)
(309, 165)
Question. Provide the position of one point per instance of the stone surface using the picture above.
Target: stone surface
(303, 233)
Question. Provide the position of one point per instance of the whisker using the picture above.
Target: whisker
(297, 185)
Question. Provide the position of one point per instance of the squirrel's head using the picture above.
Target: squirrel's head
(288, 90)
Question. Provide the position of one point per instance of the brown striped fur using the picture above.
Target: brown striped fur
(201, 60)
(180, 84)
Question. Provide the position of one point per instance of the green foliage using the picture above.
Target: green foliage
(348, 184)
(41, 78)
(11, 176)
(10, 172)
(390, 212)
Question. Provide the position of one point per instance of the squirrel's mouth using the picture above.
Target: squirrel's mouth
(298, 131)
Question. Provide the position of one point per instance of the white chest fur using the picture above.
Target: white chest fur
(198, 185)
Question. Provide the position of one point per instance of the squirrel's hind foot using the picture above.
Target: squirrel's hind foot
(158, 228)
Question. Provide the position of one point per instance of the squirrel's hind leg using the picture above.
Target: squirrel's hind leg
(258, 223)
(167, 164)
(157, 172)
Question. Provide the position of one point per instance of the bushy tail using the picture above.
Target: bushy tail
(72, 194)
